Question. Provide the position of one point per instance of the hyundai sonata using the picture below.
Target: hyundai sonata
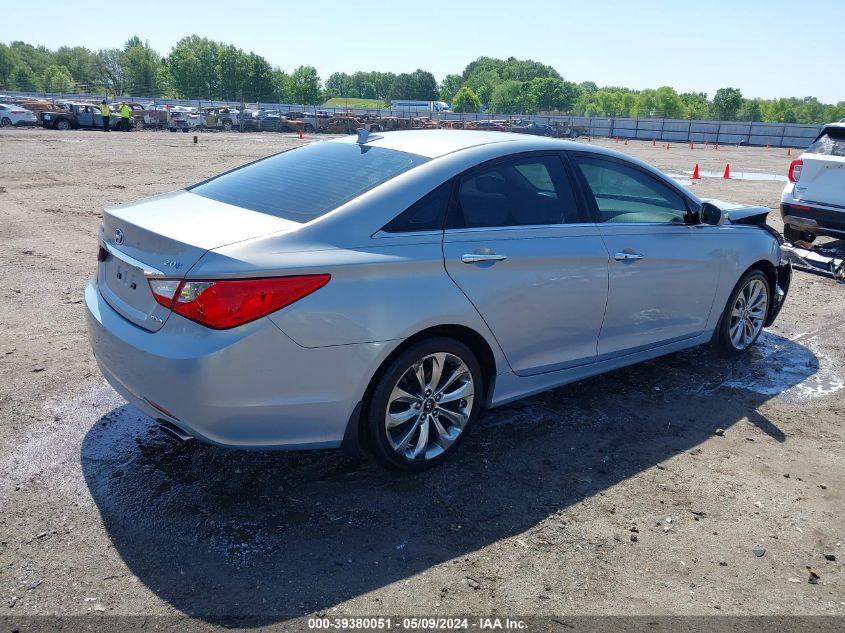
(384, 290)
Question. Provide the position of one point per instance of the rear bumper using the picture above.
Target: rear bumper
(248, 387)
(816, 219)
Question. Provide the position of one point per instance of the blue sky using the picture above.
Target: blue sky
(766, 48)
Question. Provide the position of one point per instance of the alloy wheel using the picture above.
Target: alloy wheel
(748, 314)
(429, 406)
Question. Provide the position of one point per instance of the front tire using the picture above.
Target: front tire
(63, 125)
(423, 404)
(5, 122)
(744, 316)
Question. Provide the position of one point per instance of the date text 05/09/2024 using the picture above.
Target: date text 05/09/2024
(417, 623)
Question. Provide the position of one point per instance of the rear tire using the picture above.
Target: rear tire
(423, 404)
(792, 235)
(745, 314)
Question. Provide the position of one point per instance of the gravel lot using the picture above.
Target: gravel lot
(687, 485)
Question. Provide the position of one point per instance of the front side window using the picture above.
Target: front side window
(830, 143)
(625, 194)
(306, 183)
(521, 192)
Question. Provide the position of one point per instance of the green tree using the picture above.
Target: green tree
(449, 87)
(465, 100)
(140, 65)
(24, 79)
(110, 70)
(259, 79)
(192, 65)
(750, 111)
(726, 103)
(82, 65)
(305, 86)
(511, 97)
(57, 79)
(8, 61)
(695, 105)
(338, 85)
(281, 86)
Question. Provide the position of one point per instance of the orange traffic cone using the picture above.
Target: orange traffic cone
(691, 145)
(716, 146)
(789, 151)
(695, 175)
(626, 141)
(653, 142)
(667, 145)
(727, 173)
(768, 146)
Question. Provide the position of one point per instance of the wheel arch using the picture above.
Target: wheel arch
(356, 435)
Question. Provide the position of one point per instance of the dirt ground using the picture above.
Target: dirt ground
(687, 485)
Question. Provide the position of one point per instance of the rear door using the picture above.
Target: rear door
(822, 178)
(663, 273)
(529, 258)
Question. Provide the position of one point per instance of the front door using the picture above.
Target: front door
(530, 260)
(663, 272)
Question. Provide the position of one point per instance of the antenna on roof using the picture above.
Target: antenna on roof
(365, 137)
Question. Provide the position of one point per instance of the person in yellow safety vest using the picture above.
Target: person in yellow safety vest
(104, 110)
(124, 117)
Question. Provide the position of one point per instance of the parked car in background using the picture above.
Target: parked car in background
(221, 118)
(532, 127)
(185, 119)
(12, 115)
(813, 201)
(407, 280)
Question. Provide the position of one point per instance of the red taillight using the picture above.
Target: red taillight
(222, 304)
(795, 166)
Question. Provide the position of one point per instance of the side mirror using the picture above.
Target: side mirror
(710, 214)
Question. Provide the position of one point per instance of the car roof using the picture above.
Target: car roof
(436, 143)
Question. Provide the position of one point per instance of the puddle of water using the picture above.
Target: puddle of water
(779, 366)
(738, 175)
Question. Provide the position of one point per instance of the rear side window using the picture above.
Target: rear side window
(531, 190)
(830, 143)
(308, 182)
(426, 214)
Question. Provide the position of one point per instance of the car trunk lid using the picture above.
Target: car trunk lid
(164, 237)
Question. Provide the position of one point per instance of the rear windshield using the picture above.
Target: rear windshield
(831, 142)
(307, 182)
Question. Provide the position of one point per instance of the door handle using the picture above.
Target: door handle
(622, 257)
(474, 258)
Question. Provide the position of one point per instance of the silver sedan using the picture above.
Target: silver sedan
(383, 290)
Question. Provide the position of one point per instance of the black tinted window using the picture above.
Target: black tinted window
(308, 182)
(625, 194)
(521, 192)
(830, 143)
(424, 215)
